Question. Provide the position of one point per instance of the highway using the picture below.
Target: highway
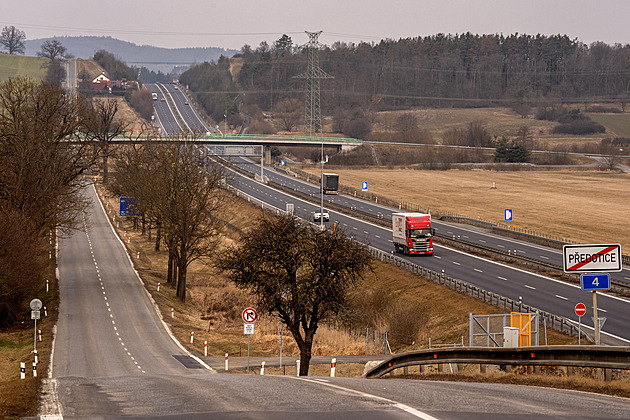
(540, 291)
(113, 357)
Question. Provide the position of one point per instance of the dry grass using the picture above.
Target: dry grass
(19, 397)
(583, 206)
(500, 121)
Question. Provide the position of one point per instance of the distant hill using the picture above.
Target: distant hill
(153, 58)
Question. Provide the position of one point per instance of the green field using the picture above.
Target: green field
(617, 124)
(20, 66)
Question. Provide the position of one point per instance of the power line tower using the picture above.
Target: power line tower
(313, 113)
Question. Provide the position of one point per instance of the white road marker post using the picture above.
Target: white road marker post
(192, 337)
(333, 366)
(205, 348)
(297, 364)
(22, 370)
(226, 362)
(39, 332)
(35, 353)
(172, 312)
(34, 370)
(262, 368)
(158, 287)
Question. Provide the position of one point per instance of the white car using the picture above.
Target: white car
(317, 215)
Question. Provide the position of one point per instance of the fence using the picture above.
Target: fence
(540, 238)
(555, 322)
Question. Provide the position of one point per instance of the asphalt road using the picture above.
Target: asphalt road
(539, 291)
(114, 358)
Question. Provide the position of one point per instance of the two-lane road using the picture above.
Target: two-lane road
(114, 358)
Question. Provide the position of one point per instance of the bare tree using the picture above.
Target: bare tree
(182, 193)
(39, 169)
(289, 111)
(103, 127)
(53, 49)
(12, 39)
(297, 271)
(407, 127)
(40, 184)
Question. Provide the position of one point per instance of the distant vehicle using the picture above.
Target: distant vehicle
(185, 103)
(154, 95)
(162, 99)
(331, 183)
(176, 87)
(317, 215)
(412, 233)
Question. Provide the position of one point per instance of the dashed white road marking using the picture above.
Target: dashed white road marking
(529, 287)
(502, 278)
(562, 297)
(478, 270)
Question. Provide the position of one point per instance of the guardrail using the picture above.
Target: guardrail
(526, 235)
(553, 321)
(574, 356)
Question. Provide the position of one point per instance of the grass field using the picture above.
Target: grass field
(499, 121)
(20, 66)
(583, 206)
(617, 124)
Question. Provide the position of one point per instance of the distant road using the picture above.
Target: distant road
(113, 358)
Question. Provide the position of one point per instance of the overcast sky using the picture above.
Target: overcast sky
(233, 23)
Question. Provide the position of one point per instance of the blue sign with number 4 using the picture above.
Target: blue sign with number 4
(592, 282)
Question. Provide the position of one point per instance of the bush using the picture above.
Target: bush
(603, 109)
(579, 127)
(142, 102)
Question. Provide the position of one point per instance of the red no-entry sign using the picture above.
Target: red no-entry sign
(580, 309)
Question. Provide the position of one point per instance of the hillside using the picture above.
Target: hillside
(18, 65)
(153, 58)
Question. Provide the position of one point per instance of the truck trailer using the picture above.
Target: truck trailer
(413, 233)
(331, 183)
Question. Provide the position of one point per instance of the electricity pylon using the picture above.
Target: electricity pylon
(313, 113)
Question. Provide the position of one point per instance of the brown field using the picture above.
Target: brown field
(582, 206)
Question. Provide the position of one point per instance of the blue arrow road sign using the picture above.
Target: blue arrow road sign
(364, 186)
(592, 282)
(508, 215)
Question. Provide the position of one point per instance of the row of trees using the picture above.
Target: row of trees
(41, 177)
(438, 70)
(179, 194)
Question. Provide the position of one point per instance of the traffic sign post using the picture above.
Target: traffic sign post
(249, 316)
(591, 258)
(592, 282)
(36, 305)
(364, 186)
(580, 311)
(508, 215)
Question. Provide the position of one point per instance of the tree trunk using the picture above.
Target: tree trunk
(158, 238)
(144, 226)
(105, 165)
(169, 273)
(181, 282)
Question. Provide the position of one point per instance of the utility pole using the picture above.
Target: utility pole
(313, 114)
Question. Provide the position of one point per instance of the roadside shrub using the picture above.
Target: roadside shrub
(261, 127)
(579, 127)
(603, 109)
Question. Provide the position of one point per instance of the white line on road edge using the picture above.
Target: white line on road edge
(49, 402)
(393, 403)
(157, 309)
